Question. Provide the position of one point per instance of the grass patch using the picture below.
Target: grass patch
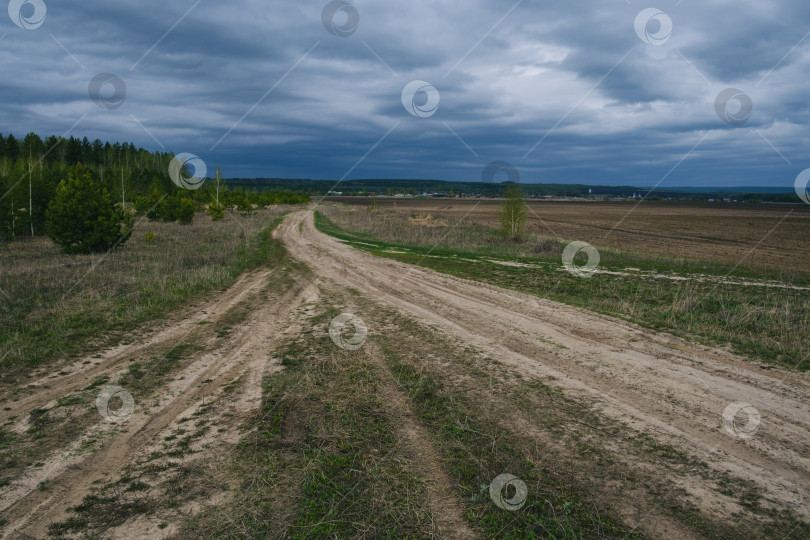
(321, 459)
(478, 452)
(58, 306)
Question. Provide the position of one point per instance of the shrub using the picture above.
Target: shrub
(244, 206)
(82, 217)
(216, 211)
(185, 211)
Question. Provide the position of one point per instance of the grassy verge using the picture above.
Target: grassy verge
(321, 460)
(477, 451)
(55, 306)
(771, 324)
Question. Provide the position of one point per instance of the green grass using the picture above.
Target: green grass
(477, 452)
(765, 323)
(142, 377)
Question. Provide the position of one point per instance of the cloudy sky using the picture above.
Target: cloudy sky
(592, 91)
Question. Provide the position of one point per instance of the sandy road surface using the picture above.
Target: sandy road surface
(666, 387)
(243, 357)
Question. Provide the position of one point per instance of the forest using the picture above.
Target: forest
(31, 168)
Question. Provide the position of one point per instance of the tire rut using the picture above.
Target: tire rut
(55, 385)
(652, 382)
(248, 349)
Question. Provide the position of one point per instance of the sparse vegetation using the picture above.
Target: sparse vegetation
(54, 306)
(771, 324)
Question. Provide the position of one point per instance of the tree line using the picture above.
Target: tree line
(136, 179)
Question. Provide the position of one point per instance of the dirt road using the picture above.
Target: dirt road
(670, 389)
(239, 359)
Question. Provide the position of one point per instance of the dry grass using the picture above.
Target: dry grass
(54, 305)
(414, 228)
(724, 233)
(709, 301)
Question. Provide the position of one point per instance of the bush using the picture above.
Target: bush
(244, 206)
(216, 211)
(147, 205)
(185, 211)
(176, 207)
(82, 217)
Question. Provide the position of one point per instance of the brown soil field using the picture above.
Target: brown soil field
(772, 236)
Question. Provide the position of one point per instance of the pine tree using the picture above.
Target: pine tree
(82, 216)
(185, 211)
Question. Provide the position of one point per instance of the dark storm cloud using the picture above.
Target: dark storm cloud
(263, 89)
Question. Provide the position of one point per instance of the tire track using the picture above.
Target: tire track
(55, 385)
(246, 353)
(654, 383)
